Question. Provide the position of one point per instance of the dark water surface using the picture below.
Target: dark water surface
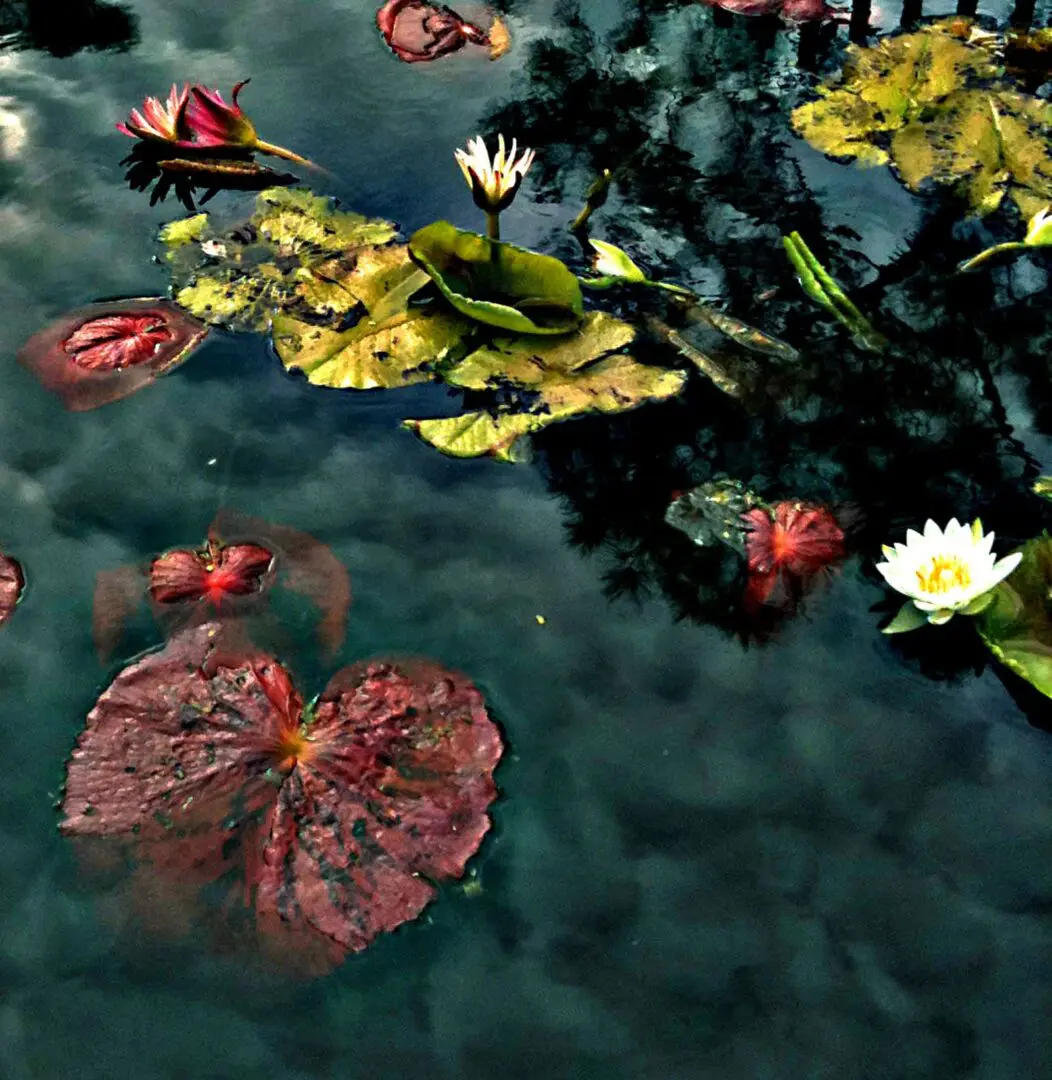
(826, 855)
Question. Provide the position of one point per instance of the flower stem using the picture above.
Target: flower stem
(281, 152)
(493, 225)
(989, 253)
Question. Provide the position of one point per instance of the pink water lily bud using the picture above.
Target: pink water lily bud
(212, 122)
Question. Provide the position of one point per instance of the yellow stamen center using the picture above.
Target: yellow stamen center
(945, 572)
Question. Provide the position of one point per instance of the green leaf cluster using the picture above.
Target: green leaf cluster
(933, 105)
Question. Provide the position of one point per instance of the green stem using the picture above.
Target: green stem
(493, 225)
(281, 152)
(989, 253)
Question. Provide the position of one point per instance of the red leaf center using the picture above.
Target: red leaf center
(112, 342)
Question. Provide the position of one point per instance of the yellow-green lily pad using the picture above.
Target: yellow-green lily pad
(497, 283)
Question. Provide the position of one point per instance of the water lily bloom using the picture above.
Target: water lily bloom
(494, 183)
(159, 121)
(944, 573)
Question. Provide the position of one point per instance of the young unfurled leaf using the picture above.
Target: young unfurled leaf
(497, 283)
(402, 350)
(1017, 625)
(104, 352)
(326, 826)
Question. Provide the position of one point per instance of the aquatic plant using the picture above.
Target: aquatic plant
(416, 31)
(12, 585)
(1038, 234)
(944, 572)
(104, 352)
(225, 580)
(336, 820)
(495, 181)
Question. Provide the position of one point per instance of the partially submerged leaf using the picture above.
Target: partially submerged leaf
(1017, 625)
(416, 31)
(329, 825)
(12, 584)
(104, 352)
(932, 104)
(477, 434)
(714, 513)
(400, 351)
(497, 283)
(212, 574)
(297, 254)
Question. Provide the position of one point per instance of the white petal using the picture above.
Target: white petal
(932, 531)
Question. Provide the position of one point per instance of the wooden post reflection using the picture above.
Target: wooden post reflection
(858, 28)
(967, 7)
(911, 12)
(1022, 15)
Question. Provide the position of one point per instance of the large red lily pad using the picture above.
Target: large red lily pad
(336, 821)
(787, 547)
(12, 582)
(229, 577)
(104, 352)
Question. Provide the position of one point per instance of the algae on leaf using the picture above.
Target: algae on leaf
(933, 106)
(1017, 626)
(296, 254)
(399, 351)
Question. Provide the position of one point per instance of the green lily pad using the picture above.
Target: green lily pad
(497, 283)
(1017, 625)
(711, 513)
(477, 434)
(402, 350)
(297, 254)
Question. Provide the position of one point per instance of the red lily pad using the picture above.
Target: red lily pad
(12, 582)
(229, 577)
(337, 821)
(787, 547)
(104, 352)
(416, 31)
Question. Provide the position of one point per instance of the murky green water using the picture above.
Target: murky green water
(823, 855)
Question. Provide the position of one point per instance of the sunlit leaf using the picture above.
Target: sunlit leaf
(932, 104)
(327, 826)
(476, 434)
(297, 254)
(498, 283)
(1017, 625)
(402, 350)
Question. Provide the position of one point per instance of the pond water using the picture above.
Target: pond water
(814, 851)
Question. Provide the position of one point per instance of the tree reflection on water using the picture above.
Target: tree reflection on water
(64, 27)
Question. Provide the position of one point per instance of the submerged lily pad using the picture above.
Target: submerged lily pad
(497, 283)
(931, 104)
(402, 350)
(329, 825)
(296, 254)
(714, 513)
(1017, 625)
(104, 352)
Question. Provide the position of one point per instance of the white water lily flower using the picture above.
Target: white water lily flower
(944, 572)
(493, 182)
(1039, 229)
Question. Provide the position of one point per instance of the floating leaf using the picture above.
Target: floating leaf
(297, 254)
(497, 283)
(104, 352)
(229, 576)
(402, 350)
(12, 584)
(416, 31)
(787, 547)
(1017, 625)
(714, 513)
(476, 434)
(1043, 487)
(330, 825)
(930, 103)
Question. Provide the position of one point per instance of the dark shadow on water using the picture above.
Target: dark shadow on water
(64, 27)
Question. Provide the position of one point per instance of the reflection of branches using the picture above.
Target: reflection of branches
(63, 27)
(703, 159)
